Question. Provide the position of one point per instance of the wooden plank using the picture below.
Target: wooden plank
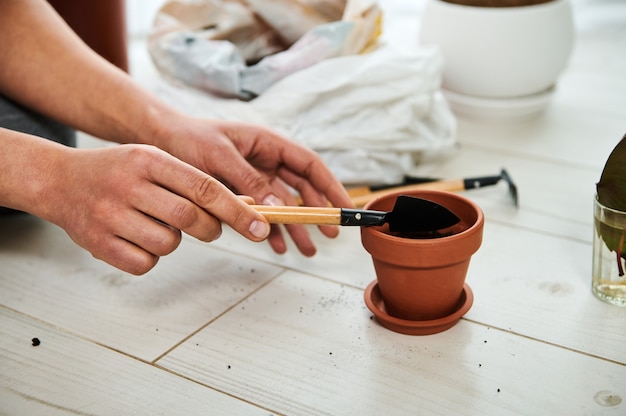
(342, 259)
(519, 277)
(308, 347)
(45, 275)
(67, 375)
(540, 286)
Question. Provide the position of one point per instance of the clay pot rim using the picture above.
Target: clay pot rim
(451, 239)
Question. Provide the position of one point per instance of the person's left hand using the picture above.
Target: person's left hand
(255, 161)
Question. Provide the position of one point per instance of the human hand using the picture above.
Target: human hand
(128, 204)
(258, 162)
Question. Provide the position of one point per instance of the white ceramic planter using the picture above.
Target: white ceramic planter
(500, 52)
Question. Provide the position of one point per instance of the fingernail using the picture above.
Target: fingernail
(259, 229)
(273, 200)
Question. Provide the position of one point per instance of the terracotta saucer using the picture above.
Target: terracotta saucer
(375, 303)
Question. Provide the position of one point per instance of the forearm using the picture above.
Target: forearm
(46, 67)
(28, 165)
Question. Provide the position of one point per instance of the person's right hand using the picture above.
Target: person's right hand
(128, 204)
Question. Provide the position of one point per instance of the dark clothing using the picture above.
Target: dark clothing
(13, 116)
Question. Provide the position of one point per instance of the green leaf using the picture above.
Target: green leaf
(611, 189)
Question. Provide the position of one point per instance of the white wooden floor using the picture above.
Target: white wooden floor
(231, 328)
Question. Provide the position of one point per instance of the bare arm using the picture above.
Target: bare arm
(46, 67)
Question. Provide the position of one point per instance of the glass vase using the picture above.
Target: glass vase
(609, 254)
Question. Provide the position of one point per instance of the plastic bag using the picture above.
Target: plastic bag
(237, 48)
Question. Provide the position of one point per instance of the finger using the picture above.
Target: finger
(271, 150)
(301, 237)
(308, 165)
(178, 212)
(311, 197)
(147, 233)
(210, 195)
(247, 199)
(298, 233)
(124, 255)
(276, 239)
(244, 178)
(330, 191)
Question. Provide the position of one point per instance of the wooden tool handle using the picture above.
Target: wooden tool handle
(452, 185)
(300, 215)
(359, 191)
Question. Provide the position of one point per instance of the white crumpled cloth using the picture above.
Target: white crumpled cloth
(369, 116)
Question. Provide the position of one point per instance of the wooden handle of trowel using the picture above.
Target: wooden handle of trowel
(359, 198)
(300, 215)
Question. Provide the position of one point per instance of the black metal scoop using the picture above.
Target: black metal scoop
(409, 215)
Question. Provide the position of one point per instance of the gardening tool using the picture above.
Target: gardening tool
(409, 215)
(362, 195)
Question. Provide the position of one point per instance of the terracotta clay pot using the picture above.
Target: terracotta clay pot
(423, 280)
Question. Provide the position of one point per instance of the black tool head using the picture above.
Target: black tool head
(413, 216)
(512, 188)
